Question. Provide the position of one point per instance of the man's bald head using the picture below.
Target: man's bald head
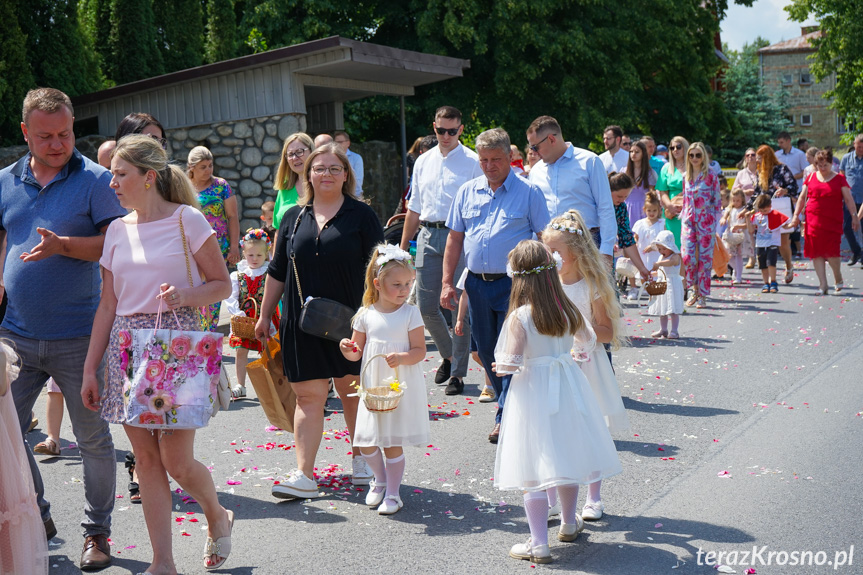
(104, 153)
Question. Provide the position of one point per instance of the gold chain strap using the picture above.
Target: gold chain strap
(185, 249)
(297, 277)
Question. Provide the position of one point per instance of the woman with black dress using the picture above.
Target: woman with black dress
(332, 235)
(777, 180)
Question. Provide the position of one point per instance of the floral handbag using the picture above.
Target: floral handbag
(171, 376)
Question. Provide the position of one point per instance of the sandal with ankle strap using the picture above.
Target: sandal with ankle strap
(220, 547)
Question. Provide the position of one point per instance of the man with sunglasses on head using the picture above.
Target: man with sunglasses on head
(573, 178)
(438, 174)
(615, 157)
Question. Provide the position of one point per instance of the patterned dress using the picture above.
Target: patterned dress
(212, 202)
(701, 210)
(250, 287)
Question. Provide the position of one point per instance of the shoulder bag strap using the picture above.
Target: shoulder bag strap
(293, 255)
(201, 311)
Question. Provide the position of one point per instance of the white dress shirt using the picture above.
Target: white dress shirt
(577, 180)
(796, 162)
(437, 178)
(356, 162)
(617, 163)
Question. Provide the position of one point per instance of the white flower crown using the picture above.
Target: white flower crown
(389, 253)
(570, 229)
(556, 262)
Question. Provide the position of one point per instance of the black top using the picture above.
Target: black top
(781, 177)
(330, 265)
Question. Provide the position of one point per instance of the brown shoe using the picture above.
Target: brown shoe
(97, 553)
(495, 433)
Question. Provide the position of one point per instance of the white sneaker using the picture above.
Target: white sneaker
(390, 505)
(361, 473)
(569, 532)
(529, 552)
(554, 510)
(632, 295)
(374, 498)
(592, 511)
(296, 486)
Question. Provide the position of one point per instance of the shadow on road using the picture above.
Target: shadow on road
(676, 409)
(704, 342)
(646, 449)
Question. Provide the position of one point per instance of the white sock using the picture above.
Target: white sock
(568, 503)
(395, 472)
(536, 508)
(552, 496)
(593, 492)
(376, 462)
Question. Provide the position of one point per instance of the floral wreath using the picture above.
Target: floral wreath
(388, 253)
(255, 234)
(564, 228)
(556, 262)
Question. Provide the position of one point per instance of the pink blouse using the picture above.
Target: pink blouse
(144, 256)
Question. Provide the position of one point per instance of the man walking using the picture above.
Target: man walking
(614, 158)
(851, 167)
(53, 282)
(489, 216)
(573, 178)
(437, 176)
(344, 142)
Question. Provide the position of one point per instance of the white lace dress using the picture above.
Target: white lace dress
(597, 368)
(671, 302)
(552, 431)
(408, 424)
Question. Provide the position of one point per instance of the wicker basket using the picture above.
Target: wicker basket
(243, 326)
(380, 399)
(657, 287)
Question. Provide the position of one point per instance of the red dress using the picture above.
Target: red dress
(824, 215)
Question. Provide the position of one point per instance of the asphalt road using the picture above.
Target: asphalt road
(745, 434)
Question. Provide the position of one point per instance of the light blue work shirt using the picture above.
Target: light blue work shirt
(493, 222)
(852, 167)
(577, 180)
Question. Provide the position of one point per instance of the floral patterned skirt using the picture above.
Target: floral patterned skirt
(112, 396)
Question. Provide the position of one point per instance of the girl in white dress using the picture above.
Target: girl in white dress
(735, 242)
(646, 229)
(584, 276)
(552, 434)
(387, 325)
(669, 304)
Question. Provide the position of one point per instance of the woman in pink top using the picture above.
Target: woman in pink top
(745, 180)
(143, 270)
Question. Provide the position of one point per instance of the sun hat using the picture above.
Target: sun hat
(666, 239)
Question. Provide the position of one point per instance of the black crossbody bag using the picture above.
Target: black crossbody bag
(321, 317)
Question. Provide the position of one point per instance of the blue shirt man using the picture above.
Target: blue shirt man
(851, 167)
(488, 217)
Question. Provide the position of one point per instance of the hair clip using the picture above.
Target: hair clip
(562, 228)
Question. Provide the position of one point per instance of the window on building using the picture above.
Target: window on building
(805, 119)
(787, 79)
(805, 78)
(843, 126)
(790, 119)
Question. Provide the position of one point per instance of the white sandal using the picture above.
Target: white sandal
(220, 547)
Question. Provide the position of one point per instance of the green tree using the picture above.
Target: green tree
(95, 16)
(15, 76)
(839, 51)
(58, 51)
(221, 40)
(133, 52)
(180, 31)
(756, 116)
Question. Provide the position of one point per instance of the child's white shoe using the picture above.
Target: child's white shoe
(390, 505)
(592, 511)
(554, 510)
(569, 532)
(530, 552)
(374, 498)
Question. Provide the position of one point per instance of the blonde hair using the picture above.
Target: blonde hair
(197, 155)
(551, 311)
(592, 267)
(376, 272)
(705, 162)
(671, 161)
(308, 195)
(147, 154)
(286, 178)
(651, 198)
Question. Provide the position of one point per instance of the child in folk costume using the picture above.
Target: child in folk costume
(584, 277)
(387, 325)
(247, 292)
(552, 433)
(669, 304)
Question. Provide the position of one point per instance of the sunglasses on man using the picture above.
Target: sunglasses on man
(451, 131)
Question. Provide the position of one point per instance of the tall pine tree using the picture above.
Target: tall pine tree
(15, 76)
(180, 30)
(133, 53)
(221, 41)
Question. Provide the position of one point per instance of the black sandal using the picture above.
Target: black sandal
(134, 489)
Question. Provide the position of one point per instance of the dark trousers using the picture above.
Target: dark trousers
(849, 232)
(488, 304)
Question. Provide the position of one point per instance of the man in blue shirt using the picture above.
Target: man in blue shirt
(489, 216)
(851, 167)
(55, 205)
(344, 142)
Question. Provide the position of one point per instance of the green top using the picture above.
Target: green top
(285, 200)
(671, 182)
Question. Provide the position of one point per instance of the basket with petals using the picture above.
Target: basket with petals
(243, 326)
(657, 287)
(382, 397)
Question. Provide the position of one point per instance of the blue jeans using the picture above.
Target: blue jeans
(64, 361)
(489, 302)
(849, 232)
